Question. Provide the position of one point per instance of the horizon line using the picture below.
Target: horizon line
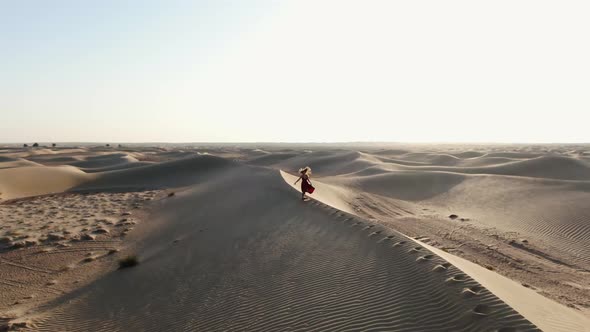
(291, 142)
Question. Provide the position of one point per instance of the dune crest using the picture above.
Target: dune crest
(544, 313)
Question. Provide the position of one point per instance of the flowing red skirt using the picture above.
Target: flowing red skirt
(306, 187)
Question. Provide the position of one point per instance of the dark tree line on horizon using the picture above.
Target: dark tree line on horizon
(36, 145)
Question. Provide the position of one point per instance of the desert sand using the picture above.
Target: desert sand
(397, 237)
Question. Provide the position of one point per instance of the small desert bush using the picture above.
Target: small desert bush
(128, 261)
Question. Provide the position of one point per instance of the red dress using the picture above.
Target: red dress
(306, 186)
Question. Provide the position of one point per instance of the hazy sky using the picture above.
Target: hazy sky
(298, 71)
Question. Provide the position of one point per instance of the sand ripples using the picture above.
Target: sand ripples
(282, 267)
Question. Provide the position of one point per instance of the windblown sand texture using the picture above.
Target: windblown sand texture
(225, 243)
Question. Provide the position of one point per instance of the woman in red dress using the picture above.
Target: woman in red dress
(306, 186)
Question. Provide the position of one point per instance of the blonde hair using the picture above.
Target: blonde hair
(307, 170)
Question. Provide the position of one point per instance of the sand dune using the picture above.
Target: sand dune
(547, 167)
(180, 172)
(4, 159)
(42, 151)
(331, 163)
(335, 196)
(51, 160)
(228, 245)
(325, 162)
(406, 185)
(336, 163)
(546, 314)
(513, 155)
(86, 159)
(468, 154)
(550, 167)
(40, 180)
(390, 152)
(271, 159)
(105, 161)
(554, 212)
(280, 266)
(486, 161)
(432, 158)
(390, 160)
(116, 167)
(7, 162)
(510, 198)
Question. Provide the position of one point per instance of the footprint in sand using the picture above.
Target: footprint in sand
(424, 258)
(387, 238)
(471, 291)
(482, 310)
(397, 244)
(441, 267)
(457, 278)
(415, 250)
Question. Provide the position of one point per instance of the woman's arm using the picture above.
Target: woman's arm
(297, 180)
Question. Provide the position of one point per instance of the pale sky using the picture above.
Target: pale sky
(294, 71)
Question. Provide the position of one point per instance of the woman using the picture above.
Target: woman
(306, 186)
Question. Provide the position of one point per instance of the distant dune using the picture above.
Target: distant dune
(8, 162)
(39, 180)
(270, 159)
